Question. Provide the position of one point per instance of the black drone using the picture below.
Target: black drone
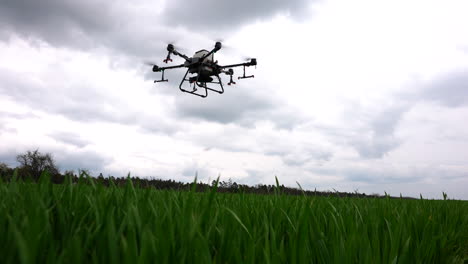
(205, 67)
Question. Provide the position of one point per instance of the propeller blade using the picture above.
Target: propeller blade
(218, 40)
(176, 46)
(222, 40)
(149, 63)
(248, 59)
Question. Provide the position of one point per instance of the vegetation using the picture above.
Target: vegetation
(89, 221)
(33, 163)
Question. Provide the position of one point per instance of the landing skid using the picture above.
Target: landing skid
(202, 85)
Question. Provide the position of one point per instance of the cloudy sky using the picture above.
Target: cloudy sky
(359, 95)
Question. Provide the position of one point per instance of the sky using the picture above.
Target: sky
(366, 95)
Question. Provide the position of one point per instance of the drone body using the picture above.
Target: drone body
(205, 69)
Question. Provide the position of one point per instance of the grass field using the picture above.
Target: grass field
(81, 223)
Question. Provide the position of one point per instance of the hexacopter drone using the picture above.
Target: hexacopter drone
(205, 67)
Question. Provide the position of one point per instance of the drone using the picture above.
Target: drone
(204, 68)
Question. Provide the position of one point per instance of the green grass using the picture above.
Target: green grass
(81, 223)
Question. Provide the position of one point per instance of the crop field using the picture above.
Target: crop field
(91, 223)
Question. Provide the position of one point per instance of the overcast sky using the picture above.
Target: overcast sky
(364, 95)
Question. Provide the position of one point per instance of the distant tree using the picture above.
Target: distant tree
(3, 167)
(69, 173)
(227, 184)
(5, 171)
(83, 173)
(33, 163)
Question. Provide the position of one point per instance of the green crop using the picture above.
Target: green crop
(82, 223)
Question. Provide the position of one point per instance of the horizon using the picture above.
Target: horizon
(80, 172)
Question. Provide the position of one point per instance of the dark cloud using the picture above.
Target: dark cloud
(134, 34)
(374, 146)
(78, 160)
(202, 173)
(3, 126)
(215, 14)
(70, 139)
(58, 21)
(377, 137)
(401, 174)
(240, 105)
(286, 146)
(285, 116)
(87, 105)
(139, 29)
(4, 114)
(301, 159)
(5, 117)
(257, 177)
(299, 155)
(126, 29)
(372, 176)
(222, 109)
(230, 138)
(8, 157)
(153, 124)
(370, 132)
(78, 102)
(449, 90)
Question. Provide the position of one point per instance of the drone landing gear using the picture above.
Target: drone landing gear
(231, 81)
(230, 72)
(162, 78)
(245, 77)
(202, 84)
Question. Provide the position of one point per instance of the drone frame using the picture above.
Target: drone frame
(217, 69)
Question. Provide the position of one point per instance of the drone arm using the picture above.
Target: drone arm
(162, 69)
(234, 65)
(158, 69)
(208, 54)
(175, 52)
(171, 49)
(252, 62)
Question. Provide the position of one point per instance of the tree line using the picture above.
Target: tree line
(34, 164)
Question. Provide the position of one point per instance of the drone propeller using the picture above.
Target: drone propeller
(217, 40)
(252, 61)
(225, 46)
(176, 46)
(172, 49)
(149, 63)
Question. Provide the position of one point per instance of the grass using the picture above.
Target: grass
(81, 223)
